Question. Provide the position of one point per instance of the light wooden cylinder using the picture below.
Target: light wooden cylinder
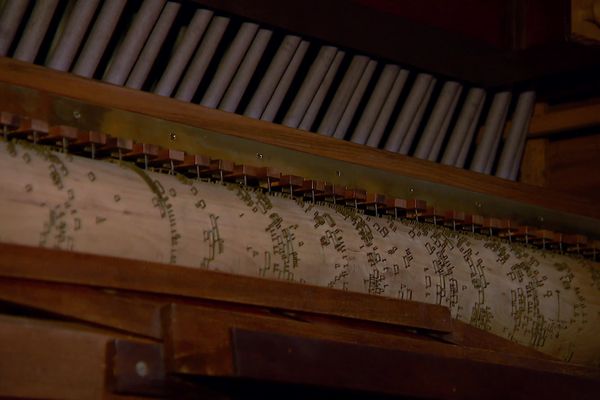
(541, 299)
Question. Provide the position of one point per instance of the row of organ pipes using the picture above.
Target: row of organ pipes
(362, 100)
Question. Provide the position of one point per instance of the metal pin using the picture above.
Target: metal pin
(434, 220)
(93, 151)
(197, 172)
(416, 215)
(64, 144)
(172, 168)
(221, 175)
(490, 231)
(291, 190)
(245, 180)
(269, 184)
(454, 225)
(146, 161)
(313, 195)
(396, 212)
(355, 204)
(376, 214)
(120, 153)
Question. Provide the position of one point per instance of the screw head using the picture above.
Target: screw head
(172, 136)
(259, 156)
(76, 114)
(141, 368)
(338, 173)
(477, 204)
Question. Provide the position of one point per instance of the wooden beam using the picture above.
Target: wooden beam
(118, 273)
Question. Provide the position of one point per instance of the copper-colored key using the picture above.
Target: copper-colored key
(312, 189)
(243, 174)
(433, 215)
(88, 142)
(355, 197)
(334, 193)
(290, 183)
(168, 159)
(395, 206)
(592, 250)
(30, 129)
(491, 226)
(525, 234)
(473, 222)
(545, 238)
(193, 165)
(575, 243)
(116, 147)
(508, 228)
(142, 153)
(218, 169)
(8, 122)
(60, 135)
(415, 208)
(376, 203)
(454, 219)
(268, 177)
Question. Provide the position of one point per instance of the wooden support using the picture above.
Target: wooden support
(49, 359)
(202, 342)
(109, 272)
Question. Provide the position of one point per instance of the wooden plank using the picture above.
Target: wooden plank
(574, 166)
(565, 118)
(45, 359)
(97, 93)
(535, 162)
(117, 273)
(131, 314)
(197, 342)
(197, 339)
(280, 358)
(466, 335)
(137, 368)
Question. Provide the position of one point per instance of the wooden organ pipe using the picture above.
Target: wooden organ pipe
(462, 135)
(206, 50)
(317, 101)
(272, 76)
(99, 37)
(310, 86)
(544, 300)
(284, 84)
(9, 23)
(128, 51)
(70, 40)
(140, 71)
(510, 158)
(228, 66)
(31, 40)
(346, 119)
(183, 52)
(483, 158)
